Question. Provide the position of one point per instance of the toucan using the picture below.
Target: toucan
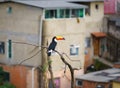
(53, 44)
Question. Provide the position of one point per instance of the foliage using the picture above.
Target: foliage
(44, 67)
(99, 65)
(96, 66)
(7, 85)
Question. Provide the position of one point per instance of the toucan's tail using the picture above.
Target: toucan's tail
(49, 53)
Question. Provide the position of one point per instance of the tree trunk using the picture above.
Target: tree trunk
(51, 73)
(70, 67)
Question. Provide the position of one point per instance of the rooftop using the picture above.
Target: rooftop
(101, 76)
(98, 34)
(51, 4)
(54, 0)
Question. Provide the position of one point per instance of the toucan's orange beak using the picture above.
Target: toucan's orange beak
(60, 38)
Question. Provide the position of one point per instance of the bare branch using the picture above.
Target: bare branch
(70, 67)
(29, 57)
(24, 43)
(29, 44)
(69, 57)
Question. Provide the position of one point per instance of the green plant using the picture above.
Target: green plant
(99, 65)
(7, 85)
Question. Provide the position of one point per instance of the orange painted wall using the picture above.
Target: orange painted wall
(88, 60)
(89, 84)
(17, 75)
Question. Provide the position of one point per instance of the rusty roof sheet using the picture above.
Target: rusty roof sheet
(98, 34)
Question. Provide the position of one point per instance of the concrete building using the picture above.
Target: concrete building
(100, 79)
(25, 25)
(112, 29)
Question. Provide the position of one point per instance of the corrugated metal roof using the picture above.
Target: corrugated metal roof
(77, 0)
(111, 75)
(49, 4)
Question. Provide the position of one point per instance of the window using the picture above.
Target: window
(61, 13)
(2, 47)
(10, 48)
(81, 13)
(100, 86)
(74, 50)
(77, 13)
(79, 82)
(50, 14)
(118, 6)
(67, 13)
(97, 6)
(87, 42)
(9, 10)
(87, 12)
(4, 76)
(56, 82)
(64, 13)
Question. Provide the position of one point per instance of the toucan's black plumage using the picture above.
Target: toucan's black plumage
(52, 46)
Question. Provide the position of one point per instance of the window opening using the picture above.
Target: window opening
(79, 82)
(50, 14)
(87, 42)
(9, 10)
(77, 13)
(74, 50)
(10, 48)
(100, 86)
(97, 6)
(2, 47)
(4, 76)
(56, 82)
(64, 13)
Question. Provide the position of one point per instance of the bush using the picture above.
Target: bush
(99, 65)
(7, 85)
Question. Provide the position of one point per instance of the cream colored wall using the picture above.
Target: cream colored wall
(22, 25)
(94, 22)
(73, 33)
(116, 85)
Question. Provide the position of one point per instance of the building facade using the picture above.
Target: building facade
(100, 79)
(112, 27)
(112, 7)
(26, 25)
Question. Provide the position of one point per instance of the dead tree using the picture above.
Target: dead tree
(70, 67)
